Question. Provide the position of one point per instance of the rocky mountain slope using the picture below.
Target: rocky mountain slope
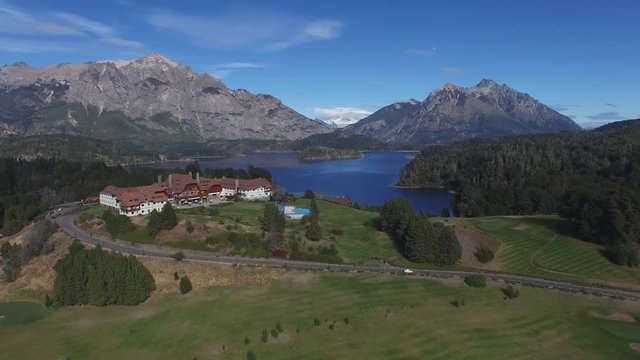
(451, 113)
(151, 97)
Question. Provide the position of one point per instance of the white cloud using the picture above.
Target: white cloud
(319, 30)
(452, 70)
(122, 42)
(8, 45)
(84, 24)
(223, 70)
(256, 28)
(341, 116)
(33, 31)
(352, 112)
(607, 116)
(421, 52)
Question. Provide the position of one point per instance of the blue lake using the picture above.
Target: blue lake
(368, 180)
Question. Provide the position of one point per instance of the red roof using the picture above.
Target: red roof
(134, 196)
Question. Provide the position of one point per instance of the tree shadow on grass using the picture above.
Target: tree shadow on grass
(557, 225)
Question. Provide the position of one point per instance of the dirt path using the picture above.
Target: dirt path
(471, 240)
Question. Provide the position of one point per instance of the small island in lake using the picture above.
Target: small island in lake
(319, 153)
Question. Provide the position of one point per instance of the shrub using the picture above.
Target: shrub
(484, 255)
(337, 232)
(247, 341)
(316, 322)
(274, 332)
(179, 256)
(189, 226)
(279, 327)
(251, 355)
(477, 281)
(185, 285)
(510, 293)
(265, 336)
(175, 276)
(458, 302)
(331, 326)
(346, 320)
(624, 254)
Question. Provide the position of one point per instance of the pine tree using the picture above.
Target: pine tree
(168, 217)
(154, 224)
(417, 242)
(314, 232)
(315, 211)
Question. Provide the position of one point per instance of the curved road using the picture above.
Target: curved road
(65, 220)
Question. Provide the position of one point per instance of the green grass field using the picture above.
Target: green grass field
(20, 312)
(389, 318)
(541, 246)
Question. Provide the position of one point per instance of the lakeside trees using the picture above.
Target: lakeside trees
(100, 278)
(590, 178)
(419, 239)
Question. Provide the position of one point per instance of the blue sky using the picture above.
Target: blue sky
(331, 57)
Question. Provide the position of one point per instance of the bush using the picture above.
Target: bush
(337, 232)
(458, 302)
(265, 336)
(624, 254)
(331, 326)
(247, 341)
(279, 327)
(346, 320)
(510, 293)
(189, 227)
(477, 281)
(274, 332)
(185, 285)
(251, 355)
(175, 276)
(484, 255)
(316, 322)
(179, 256)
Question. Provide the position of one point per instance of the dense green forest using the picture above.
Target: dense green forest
(418, 238)
(590, 178)
(100, 278)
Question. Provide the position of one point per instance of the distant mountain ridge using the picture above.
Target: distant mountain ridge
(452, 113)
(150, 97)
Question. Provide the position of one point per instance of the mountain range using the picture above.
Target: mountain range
(153, 100)
(452, 112)
(147, 97)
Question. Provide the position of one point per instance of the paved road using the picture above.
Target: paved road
(65, 217)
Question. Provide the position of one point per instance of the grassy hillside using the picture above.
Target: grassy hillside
(543, 246)
(388, 317)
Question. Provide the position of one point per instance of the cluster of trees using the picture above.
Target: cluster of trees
(591, 178)
(100, 278)
(420, 239)
(314, 232)
(116, 224)
(273, 224)
(34, 243)
(163, 220)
